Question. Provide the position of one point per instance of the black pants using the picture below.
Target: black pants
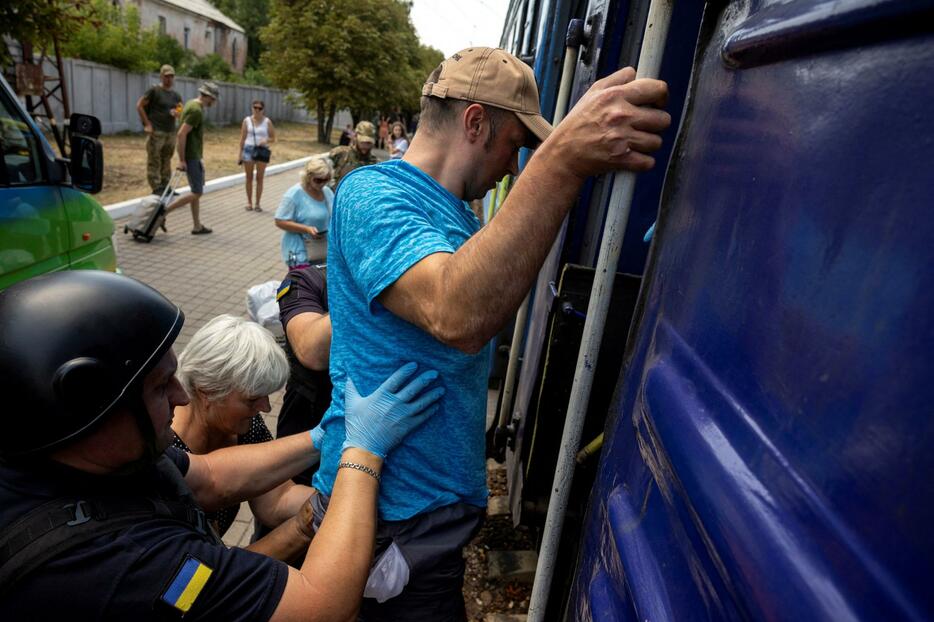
(299, 414)
(432, 545)
(435, 596)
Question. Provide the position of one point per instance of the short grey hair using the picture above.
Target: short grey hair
(232, 354)
(315, 167)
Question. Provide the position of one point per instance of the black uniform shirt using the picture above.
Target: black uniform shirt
(147, 572)
(304, 291)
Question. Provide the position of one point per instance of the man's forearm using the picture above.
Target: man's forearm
(349, 527)
(284, 543)
(180, 146)
(484, 282)
(235, 474)
(464, 298)
(311, 340)
(280, 503)
(141, 111)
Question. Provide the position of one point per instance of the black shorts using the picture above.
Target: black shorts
(195, 172)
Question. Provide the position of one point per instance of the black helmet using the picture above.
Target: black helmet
(72, 346)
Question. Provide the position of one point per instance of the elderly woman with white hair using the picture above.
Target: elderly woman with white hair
(304, 215)
(229, 368)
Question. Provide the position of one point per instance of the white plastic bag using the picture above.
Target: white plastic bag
(389, 575)
(263, 309)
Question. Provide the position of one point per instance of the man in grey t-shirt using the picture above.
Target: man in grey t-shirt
(158, 109)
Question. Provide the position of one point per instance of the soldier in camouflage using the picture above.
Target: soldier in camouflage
(158, 109)
(359, 153)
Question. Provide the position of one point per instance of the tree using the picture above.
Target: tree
(211, 67)
(428, 59)
(357, 54)
(252, 15)
(168, 51)
(99, 31)
(40, 22)
(114, 36)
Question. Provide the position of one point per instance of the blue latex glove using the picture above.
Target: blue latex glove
(379, 421)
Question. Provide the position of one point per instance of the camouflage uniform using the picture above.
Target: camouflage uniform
(160, 146)
(162, 107)
(346, 159)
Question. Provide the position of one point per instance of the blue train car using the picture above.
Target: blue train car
(765, 386)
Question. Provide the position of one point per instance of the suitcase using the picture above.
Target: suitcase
(150, 215)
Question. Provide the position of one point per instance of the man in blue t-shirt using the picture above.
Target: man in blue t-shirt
(413, 277)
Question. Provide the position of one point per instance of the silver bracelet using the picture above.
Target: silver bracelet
(359, 467)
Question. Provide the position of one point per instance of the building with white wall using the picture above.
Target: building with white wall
(198, 25)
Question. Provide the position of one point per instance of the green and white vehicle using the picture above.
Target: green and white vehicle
(48, 220)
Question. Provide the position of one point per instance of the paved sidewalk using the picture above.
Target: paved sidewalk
(207, 275)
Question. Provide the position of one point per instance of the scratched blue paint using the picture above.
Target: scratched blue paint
(768, 452)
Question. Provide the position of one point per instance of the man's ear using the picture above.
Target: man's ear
(473, 118)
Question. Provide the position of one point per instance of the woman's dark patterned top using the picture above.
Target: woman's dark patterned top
(222, 519)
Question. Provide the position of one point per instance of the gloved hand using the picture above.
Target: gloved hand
(379, 421)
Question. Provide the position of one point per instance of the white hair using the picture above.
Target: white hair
(232, 354)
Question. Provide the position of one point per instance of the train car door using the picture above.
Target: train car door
(768, 449)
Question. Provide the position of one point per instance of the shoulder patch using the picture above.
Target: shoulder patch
(187, 584)
(284, 288)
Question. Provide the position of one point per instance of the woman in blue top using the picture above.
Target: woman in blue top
(304, 216)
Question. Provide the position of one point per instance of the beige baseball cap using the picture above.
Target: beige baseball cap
(167, 70)
(492, 76)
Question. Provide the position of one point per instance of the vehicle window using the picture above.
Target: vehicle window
(21, 159)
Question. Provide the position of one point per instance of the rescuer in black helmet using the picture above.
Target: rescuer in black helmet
(98, 520)
(76, 347)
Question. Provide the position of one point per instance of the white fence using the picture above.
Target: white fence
(110, 94)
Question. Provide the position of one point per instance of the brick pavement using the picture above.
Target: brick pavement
(207, 275)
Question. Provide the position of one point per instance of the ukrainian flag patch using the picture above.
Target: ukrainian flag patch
(283, 289)
(187, 585)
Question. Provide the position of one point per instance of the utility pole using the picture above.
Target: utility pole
(40, 89)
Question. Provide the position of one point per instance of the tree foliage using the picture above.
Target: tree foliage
(40, 22)
(252, 15)
(428, 59)
(210, 67)
(168, 51)
(99, 31)
(357, 54)
(113, 36)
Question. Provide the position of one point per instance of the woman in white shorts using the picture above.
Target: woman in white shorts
(256, 136)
